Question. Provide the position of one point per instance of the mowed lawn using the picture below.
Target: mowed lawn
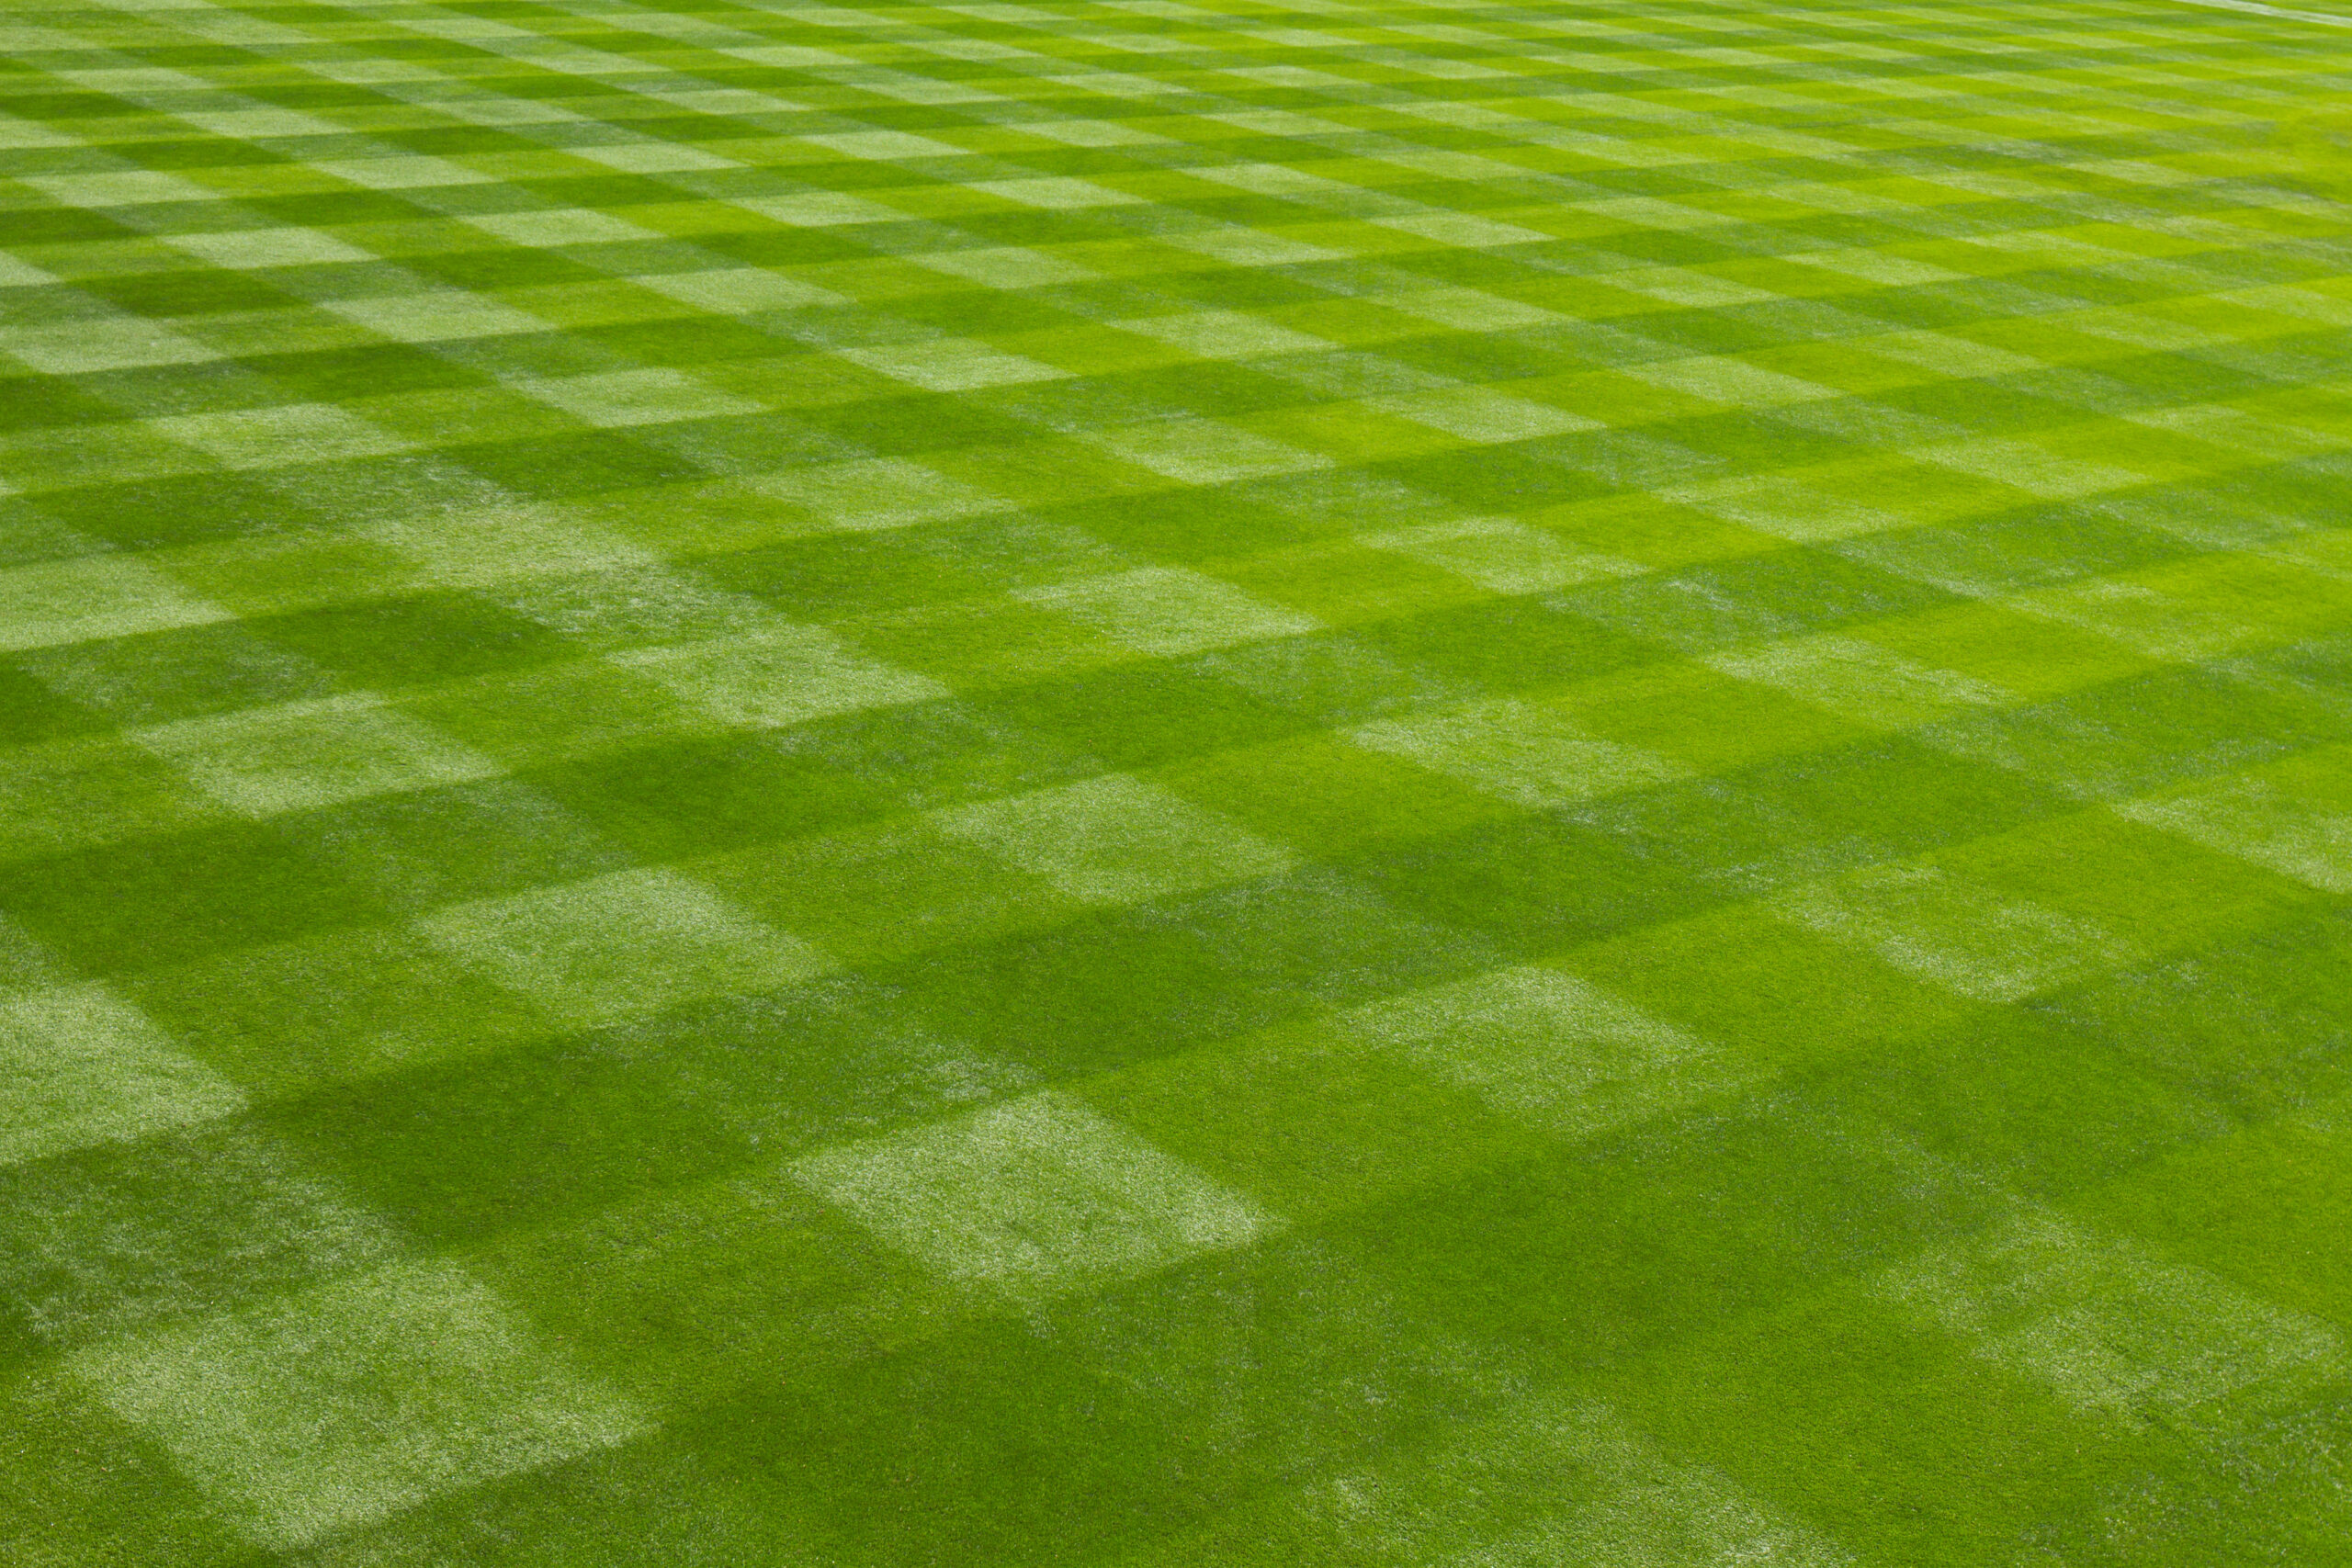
(1142, 783)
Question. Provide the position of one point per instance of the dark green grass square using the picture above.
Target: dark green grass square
(430, 637)
(365, 371)
(157, 677)
(2046, 1112)
(512, 357)
(421, 848)
(186, 510)
(603, 1509)
(935, 421)
(289, 1018)
(455, 1152)
(446, 140)
(157, 901)
(1510, 644)
(1777, 593)
(1117, 1418)
(1476, 359)
(326, 210)
(188, 293)
(211, 386)
(1845, 1415)
(1205, 387)
(1308, 1127)
(1531, 885)
(2034, 546)
(1141, 715)
(1780, 997)
(2252, 1025)
(1130, 985)
(932, 754)
(1817, 814)
(556, 468)
(30, 711)
(64, 226)
(36, 402)
(692, 340)
(705, 796)
(709, 1293)
(1667, 1230)
(1248, 516)
(788, 247)
(829, 576)
(501, 268)
(886, 890)
(115, 1237)
(80, 1482)
(986, 312)
(739, 445)
(1327, 798)
(1753, 440)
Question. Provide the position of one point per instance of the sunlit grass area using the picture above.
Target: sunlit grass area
(1152, 783)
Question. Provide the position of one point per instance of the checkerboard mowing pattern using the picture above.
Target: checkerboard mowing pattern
(1153, 782)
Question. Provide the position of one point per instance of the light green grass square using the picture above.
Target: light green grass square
(1203, 451)
(778, 678)
(738, 291)
(638, 397)
(1032, 1198)
(567, 226)
(84, 1066)
(873, 493)
(279, 437)
(952, 364)
(1502, 555)
(2116, 1333)
(245, 249)
(50, 603)
(436, 316)
(627, 943)
(1528, 753)
(110, 344)
(1862, 681)
(1954, 932)
(1168, 611)
(1548, 1048)
(1482, 415)
(1115, 839)
(354, 1401)
(2293, 818)
(297, 756)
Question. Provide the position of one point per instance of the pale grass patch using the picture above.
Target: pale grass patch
(297, 756)
(1113, 840)
(779, 677)
(627, 943)
(1548, 1048)
(1954, 933)
(2110, 1331)
(84, 1066)
(1166, 612)
(1535, 756)
(354, 1401)
(1032, 1198)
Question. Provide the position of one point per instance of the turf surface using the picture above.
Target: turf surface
(1334, 782)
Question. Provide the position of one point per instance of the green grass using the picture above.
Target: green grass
(1148, 782)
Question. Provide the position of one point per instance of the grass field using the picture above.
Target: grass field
(1156, 783)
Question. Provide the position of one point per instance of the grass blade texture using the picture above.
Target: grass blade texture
(1156, 783)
